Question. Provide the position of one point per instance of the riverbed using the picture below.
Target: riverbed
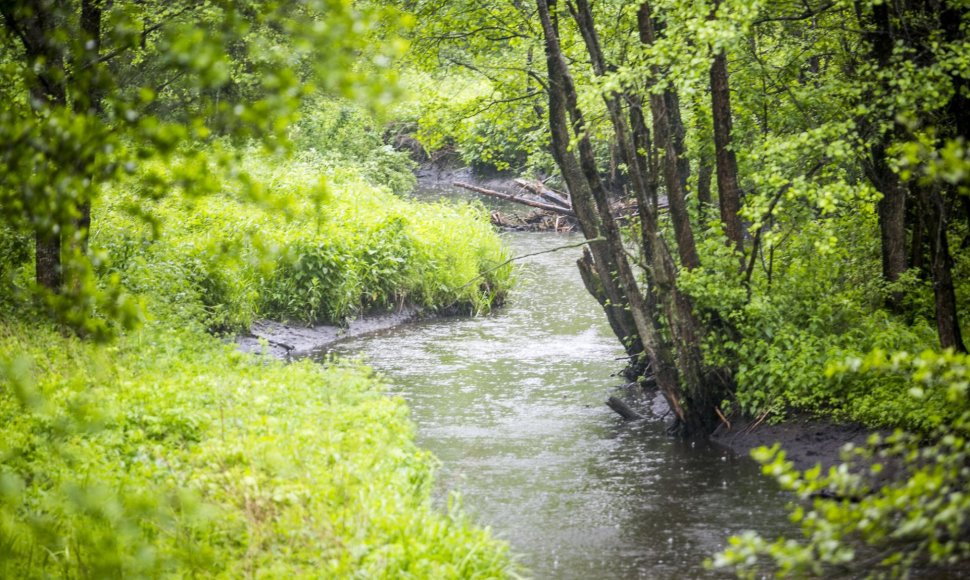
(512, 405)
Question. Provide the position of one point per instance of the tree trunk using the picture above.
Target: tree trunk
(677, 362)
(604, 263)
(941, 266)
(89, 101)
(586, 191)
(729, 192)
(668, 135)
(892, 213)
(705, 171)
(35, 30)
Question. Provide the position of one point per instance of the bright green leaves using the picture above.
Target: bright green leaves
(153, 103)
(899, 501)
(176, 457)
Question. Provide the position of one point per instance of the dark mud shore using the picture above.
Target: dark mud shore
(806, 441)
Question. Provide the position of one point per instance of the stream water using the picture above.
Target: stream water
(513, 406)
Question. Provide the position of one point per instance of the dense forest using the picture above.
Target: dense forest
(799, 180)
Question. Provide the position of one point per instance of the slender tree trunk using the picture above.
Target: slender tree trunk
(678, 363)
(585, 180)
(705, 171)
(604, 263)
(668, 134)
(90, 101)
(729, 192)
(941, 266)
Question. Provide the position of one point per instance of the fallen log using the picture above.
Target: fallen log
(537, 204)
(540, 189)
(623, 409)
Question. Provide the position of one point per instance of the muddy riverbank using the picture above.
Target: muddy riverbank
(284, 341)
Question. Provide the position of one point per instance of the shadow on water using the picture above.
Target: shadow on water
(512, 404)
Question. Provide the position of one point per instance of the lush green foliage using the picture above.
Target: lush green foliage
(169, 453)
(330, 246)
(96, 92)
(898, 503)
(819, 306)
(165, 452)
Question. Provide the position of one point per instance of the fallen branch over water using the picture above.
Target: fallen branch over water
(540, 189)
(537, 204)
(514, 258)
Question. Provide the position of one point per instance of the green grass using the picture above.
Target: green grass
(166, 453)
(169, 453)
(307, 252)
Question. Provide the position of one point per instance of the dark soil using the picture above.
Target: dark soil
(806, 442)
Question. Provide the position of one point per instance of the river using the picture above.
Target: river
(513, 406)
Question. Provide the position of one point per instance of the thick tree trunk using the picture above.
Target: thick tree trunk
(892, 206)
(892, 213)
(729, 192)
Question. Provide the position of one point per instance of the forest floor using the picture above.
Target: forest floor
(805, 441)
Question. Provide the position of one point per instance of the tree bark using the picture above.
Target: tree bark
(705, 171)
(604, 262)
(941, 267)
(892, 207)
(728, 190)
(668, 135)
(586, 193)
(89, 101)
(35, 30)
(891, 211)
(536, 204)
(677, 362)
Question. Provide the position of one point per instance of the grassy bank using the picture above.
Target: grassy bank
(166, 452)
(170, 453)
(306, 250)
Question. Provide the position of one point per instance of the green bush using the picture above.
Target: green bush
(899, 504)
(820, 305)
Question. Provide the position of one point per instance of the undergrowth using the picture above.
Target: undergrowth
(318, 252)
(168, 453)
(819, 308)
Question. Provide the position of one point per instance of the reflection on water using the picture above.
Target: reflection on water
(512, 404)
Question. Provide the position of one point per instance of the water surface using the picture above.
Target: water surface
(512, 404)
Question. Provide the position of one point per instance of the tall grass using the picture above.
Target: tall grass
(168, 453)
